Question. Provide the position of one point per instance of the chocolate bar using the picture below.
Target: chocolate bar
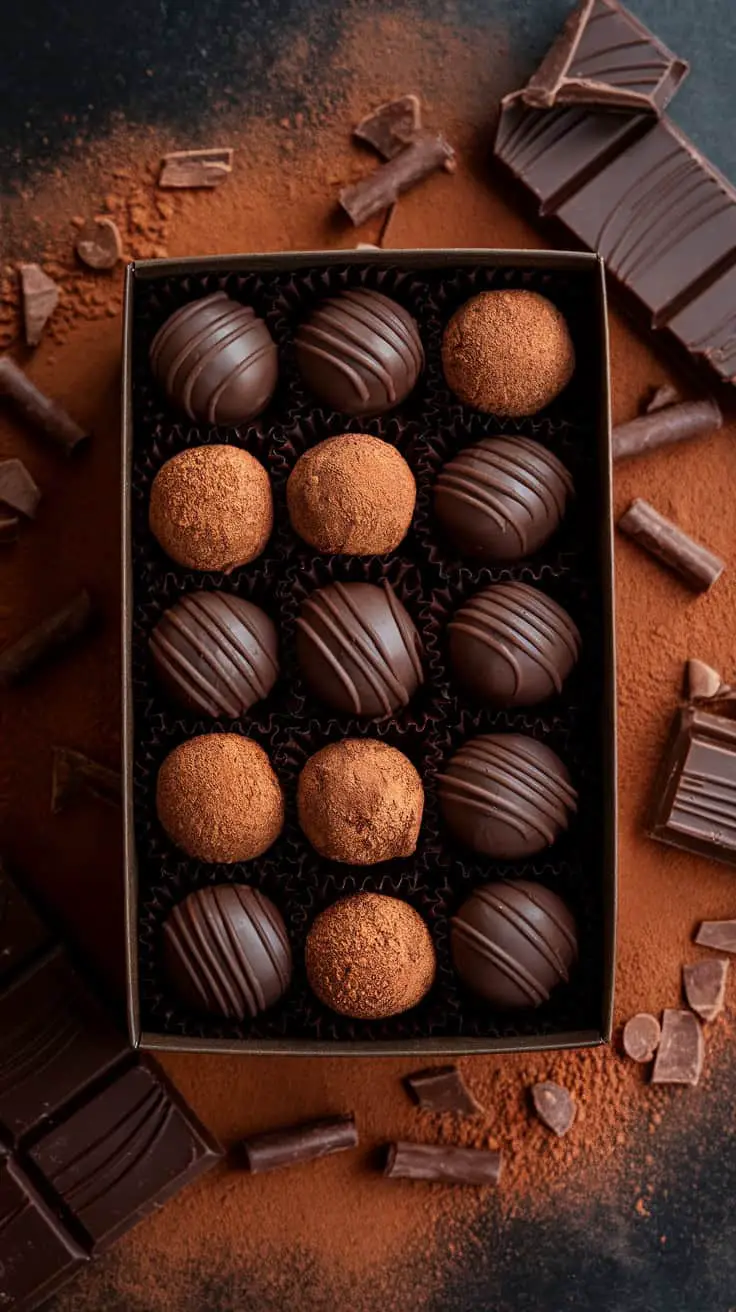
(695, 806)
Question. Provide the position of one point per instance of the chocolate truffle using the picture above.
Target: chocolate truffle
(360, 352)
(506, 795)
(216, 360)
(218, 798)
(358, 648)
(211, 508)
(501, 499)
(370, 956)
(226, 952)
(353, 495)
(215, 653)
(511, 645)
(508, 353)
(360, 801)
(512, 943)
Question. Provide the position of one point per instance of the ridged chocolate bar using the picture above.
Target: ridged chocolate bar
(695, 794)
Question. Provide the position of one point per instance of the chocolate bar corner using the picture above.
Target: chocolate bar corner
(695, 795)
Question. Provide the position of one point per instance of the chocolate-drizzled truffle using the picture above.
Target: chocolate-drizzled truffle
(511, 645)
(358, 648)
(360, 352)
(216, 360)
(226, 952)
(508, 352)
(211, 508)
(512, 943)
(506, 795)
(370, 956)
(501, 499)
(215, 653)
(353, 495)
(218, 798)
(360, 801)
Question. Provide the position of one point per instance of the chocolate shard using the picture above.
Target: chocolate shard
(427, 152)
(704, 983)
(718, 934)
(442, 1089)
(661, 397)
(47, 416)
(698, 567)
(40, 298)
(196, 168)
(555, 1106)
(37, 1253)
(18, 491)
(73, 774)
(641, 1037)
(681, 1050)
(391, 126)
(23, 935)
(442, 1164)
(703, 683)
(48, 638)
(298, 1144)
(694, 804)
(98, 244)
(664, 426)
(9, 529)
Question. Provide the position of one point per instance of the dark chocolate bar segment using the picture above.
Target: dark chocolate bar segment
(37, 1255)
(23, 934)
(695, 800)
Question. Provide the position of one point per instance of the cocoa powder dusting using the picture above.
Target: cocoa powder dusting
(360, 801)
(353, 495)
(211, 507)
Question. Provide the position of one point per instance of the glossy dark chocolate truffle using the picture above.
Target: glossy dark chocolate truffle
(215, 653)
(501, 499)
(512, 943)
(358, 648)
(216, 360)
(226, 952)
(512, 645)
(506, 795)
(360, 352)
(352, 495)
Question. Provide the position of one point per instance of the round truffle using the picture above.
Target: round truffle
(360, 352)
(508, 353)
(353, 495)
(511, 645)
(216, 360)
(358, 649)
(506, 795)
(215, 654)
(226, 952)
(512, 943)
(501, 499)
(211, 508)
(360, 801)
(218, 798)
(370, 956)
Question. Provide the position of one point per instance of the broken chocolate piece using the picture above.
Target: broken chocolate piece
(196, 168)
(704, 983)
(442, 1164)
(427, 152)
(698, 567)
(695, 793)
(40, 298)
(391, 127)
(44, 414)
(74, 774)
(702, 682)
(50, 636)
(98, 244)
(661, 397)
(665, 426)
(681, 1050)
(298, 1143)
(718, 934)
(555, 1106)
(9, 529)
(641, 1037)
(442, 1089)
(17, 489)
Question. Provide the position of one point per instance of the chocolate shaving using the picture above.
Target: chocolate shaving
(698, 567)
(702, 682)
(73, 775)
(718, 934)
(9, 527)
(49, 637)
(392, 126)
(98, 244)
(298, 1144)
(196, 168)
(641, 1037)
(44, 414)
(704, 983)
(555, 1106)
(441, 1089)
(664, 427)
(17, 489)
(661, 397)
(427, 152)
(40, 298)
(442, 1164)
(681, 1049)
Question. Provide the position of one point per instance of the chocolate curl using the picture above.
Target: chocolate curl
(298, 1143)
(442, 1164)
(696, 565)
(427, 152)
(51, 635)
(664, 427)
(44, 414)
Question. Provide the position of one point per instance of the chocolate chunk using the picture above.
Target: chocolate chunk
(391, 127)
(695, 793)
(37, 1254)
(555, 1106)
(52, 635)
(426, 152)
(74, 774)
(664, 426)
(641, 1037)
(698, 567)
(298, 1144)
(681, 1049)
(17, 488)
(196, 168)
(702, 682)
(705, 987)
(9, 529)
(661, 397)
(23, 935)
(46, 415)
(98, 244)
(442, 1164)
(718, 934)
(40, 298)
(442, 1089)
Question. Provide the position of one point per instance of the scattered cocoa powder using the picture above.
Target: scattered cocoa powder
(360, 801)
(353, 495)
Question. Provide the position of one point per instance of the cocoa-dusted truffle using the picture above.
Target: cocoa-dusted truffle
(508, 353)
(353, 495)
(360, 352)
(216, 360)
(370, 956)
(226, 951)
(218, 798)
(211, 508)
(501, 499)
(360, 801)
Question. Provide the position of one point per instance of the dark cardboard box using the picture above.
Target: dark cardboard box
(576, 567)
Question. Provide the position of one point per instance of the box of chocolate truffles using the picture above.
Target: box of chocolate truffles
(370, 777)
